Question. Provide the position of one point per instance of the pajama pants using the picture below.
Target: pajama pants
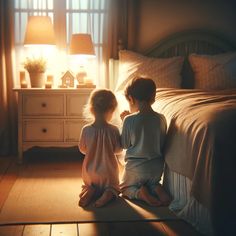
(148, 173)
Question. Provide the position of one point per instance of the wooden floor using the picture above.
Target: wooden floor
(8, 175)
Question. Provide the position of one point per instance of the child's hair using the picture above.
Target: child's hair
(142, 89)
(100, 102)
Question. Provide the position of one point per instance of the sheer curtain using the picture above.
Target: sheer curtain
(8, 103)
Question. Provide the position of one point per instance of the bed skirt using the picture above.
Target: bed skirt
(184, 205)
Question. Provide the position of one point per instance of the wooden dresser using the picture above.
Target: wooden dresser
(50, 117)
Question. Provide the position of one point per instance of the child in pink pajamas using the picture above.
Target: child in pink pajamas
(100, 141)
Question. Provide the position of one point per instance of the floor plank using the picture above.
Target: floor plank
(64, 230)
(136, 228)
(179, 228)
(92, 229)
(13, 230)
(37, 230)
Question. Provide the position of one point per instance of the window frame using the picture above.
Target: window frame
(60, 14)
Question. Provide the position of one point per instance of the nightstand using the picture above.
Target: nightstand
(50, 117)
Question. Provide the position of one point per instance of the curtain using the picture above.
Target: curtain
(120, 30)
(8, 101)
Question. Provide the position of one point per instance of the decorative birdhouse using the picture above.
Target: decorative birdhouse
(67, 80)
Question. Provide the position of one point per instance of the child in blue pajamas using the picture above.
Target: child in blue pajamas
(143, 135)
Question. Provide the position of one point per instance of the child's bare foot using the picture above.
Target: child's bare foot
(83, 192)
(86, 196)
(106, 197)
(162, 195)
(145, 196)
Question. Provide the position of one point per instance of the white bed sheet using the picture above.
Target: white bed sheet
(184, 205)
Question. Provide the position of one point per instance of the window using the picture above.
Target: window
(68, 16)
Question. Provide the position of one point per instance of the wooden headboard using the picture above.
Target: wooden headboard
(185, 43)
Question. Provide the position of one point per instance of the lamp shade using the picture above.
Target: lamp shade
(39, 30)
(81, 44)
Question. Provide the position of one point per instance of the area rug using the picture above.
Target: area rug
(50, 195)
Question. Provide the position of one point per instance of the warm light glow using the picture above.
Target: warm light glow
(49, 81)
(81, 50)
(39, 31)
(81, 44)
(40, 41)
(58, 67)
(23, 82)
(147, 215)
(167, 228)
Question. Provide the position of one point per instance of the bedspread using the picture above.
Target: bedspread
(201, 139)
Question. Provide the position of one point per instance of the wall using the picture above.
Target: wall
(160, 18)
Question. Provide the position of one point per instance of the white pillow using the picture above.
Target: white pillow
(214, 71)
(166, 72)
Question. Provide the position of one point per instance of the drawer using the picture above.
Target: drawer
(75, 104)
(43, 130)
(73, 129)
(40, 104)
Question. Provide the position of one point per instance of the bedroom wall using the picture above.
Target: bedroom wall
(157, 19)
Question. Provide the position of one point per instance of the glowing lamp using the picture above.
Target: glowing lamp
(39, 31)
(81, 44)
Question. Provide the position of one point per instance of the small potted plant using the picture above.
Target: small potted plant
(36, 68)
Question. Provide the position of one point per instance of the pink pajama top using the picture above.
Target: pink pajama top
(100, 166)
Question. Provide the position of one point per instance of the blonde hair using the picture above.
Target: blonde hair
(100, 102)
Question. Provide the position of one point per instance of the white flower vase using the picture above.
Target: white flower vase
(37, 79)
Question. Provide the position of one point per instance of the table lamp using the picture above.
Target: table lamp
(39, 31)
(81, 45)
(39, 35)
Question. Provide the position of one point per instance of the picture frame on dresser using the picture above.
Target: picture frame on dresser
(50, 118)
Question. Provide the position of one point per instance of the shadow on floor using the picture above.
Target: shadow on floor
(52, 154)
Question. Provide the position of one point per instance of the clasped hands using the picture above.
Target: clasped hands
(124, 114)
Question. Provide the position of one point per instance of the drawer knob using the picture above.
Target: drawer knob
(44, 130)
(44, 104)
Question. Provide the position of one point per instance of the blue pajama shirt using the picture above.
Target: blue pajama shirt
(143, 137)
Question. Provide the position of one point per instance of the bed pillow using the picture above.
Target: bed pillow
(214, 71)
(166, 72)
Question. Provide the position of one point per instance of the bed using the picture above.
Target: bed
(195, 72)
